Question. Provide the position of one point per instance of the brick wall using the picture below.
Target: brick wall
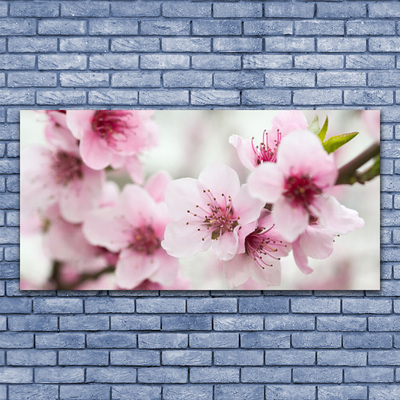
(199, 345)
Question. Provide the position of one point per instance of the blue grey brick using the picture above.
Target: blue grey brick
(111, 26)
(367, 341)
(16, 375)
(163, 340)
(381, 392)
(110, 375)
(342, 358)
(83, 357)
(179, 9)
(165, 27)
(15, 306)
(162, 375)
(261, 340)
(238, 10)
(34, 9)
(236, 392)
(3, 323)
(157, 98)
(135, 322)
(186, 357)
(59, 375)
(83, 79)
(368, 97)
(84, 323)
(319, 340)
(19, 26)
(113, 61)
(262, 375)
(164, 306)
(216, 27)
(10, 132)
(57, 306)
(317, 96)
(383, 79)
(241, 323)
(193, 45)
(237, 45)
(238, 357)
(8, 235)
(317, 375)
(384, 10)
(386, 323)
(128, 392)
(217, 97)
(341, 323)
(32, 45)
(216, 62)
(62, 61)
(386, 273)
(135, 44)
(109, 306)
(109, 96)
(319, 61)
(3, 9)
(290, 357)
(111, 340)
(387, 44)
(61, 27)
(324, 306)
(85, 9)
(214, 375)
(179, 392)
(37, 392)
(214, 340)
(140, 9)
(136, 79)
(13, 150)
(32, 323)
(289, 392)
(367, 306)
(164, 61)
(8, 201)
(212, 305)
(370, 61)
(344, 392)
(262, 97)
(344, 11)
(239, 80)
(87, 45)
(186, 323)
(289, 45)
(17, 61)
(186, 79)
(341, 45)
(10, 270)
(288, 10)
(263, 305)
(289, 79)
(316, 27)
(61, 97)
(365, 27)
(368, 374)
(135, 357)
(261, 28)
(95, 392)
(16, 340)
(384, 357)
(31, 357)
(342, 78)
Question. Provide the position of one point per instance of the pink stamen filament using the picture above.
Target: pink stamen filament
(263, 152)
(144, 240)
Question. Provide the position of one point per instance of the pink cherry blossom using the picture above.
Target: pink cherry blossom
(113, 137)
(297, 185)
(261, 261)
(54, 175)
(210, 211)
(134, 227)
(284, 123)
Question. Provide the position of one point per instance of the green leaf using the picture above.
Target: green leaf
(324, 129)
(335, 142)
(314, 126)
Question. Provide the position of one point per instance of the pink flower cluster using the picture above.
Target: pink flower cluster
(135, 236)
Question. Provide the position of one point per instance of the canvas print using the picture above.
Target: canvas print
(200, 200)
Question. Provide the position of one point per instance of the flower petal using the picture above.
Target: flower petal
(157, 184)
(226, 246)
(300, 258)
(79, 121)
(94, 152)
(266, 182)
(236, 271)
(317, 242)
(289, 221)
(167, 270)
(245, 151)
(287, 121)
(246, 207)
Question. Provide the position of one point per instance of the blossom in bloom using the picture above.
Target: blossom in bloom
(317, 241)
(251, 154)
(213, 210)
(264, 248)
(134, 227)
(297, 186)
(55, 175)
(113, 137)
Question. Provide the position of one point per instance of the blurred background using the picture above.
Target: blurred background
(190, 140)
